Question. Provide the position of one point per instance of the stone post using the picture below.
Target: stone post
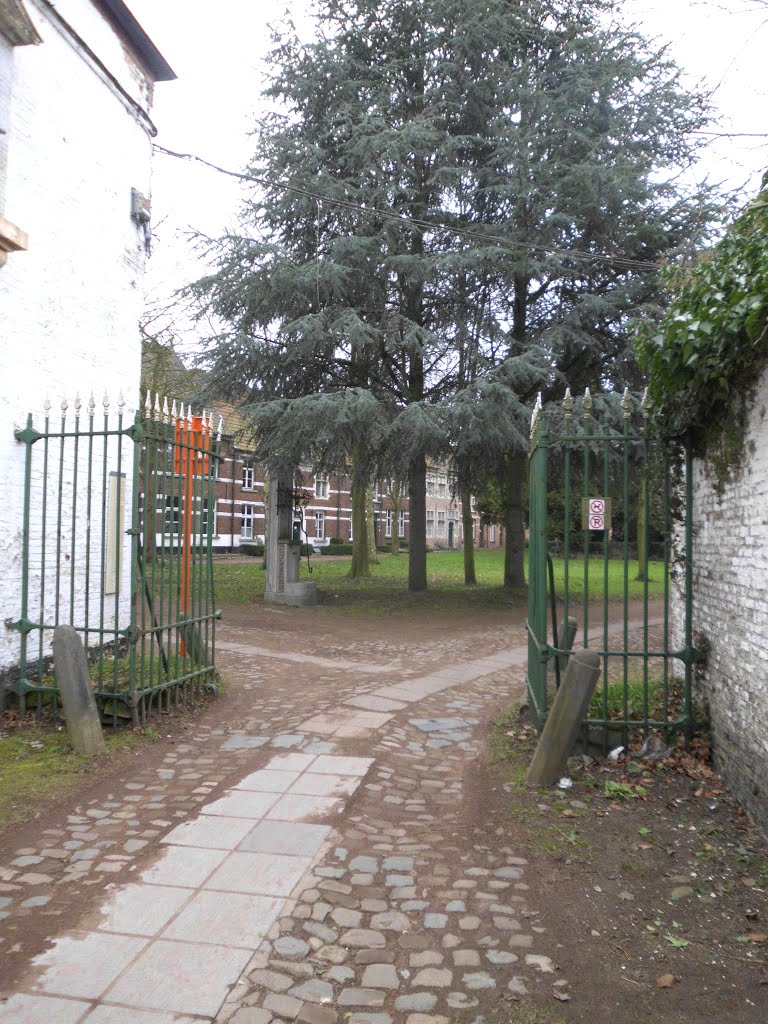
(70, 667)
(564, 719)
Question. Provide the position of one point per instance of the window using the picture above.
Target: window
(430, 523)
(247, 515)
(430, 485)
(388, 524)
(401, 525)
(491, 534)
(320, 525)
(171, 515)
(441, 524)
(442, 486)
(321, 487)
(247, 478)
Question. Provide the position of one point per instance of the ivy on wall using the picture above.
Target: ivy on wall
(705, 358)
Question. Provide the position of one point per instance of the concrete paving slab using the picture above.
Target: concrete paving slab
(260, 873)
(186, 866)
(311, 784)
(83, 965)
(125, 1015)
(241, 742)
(296, 807)
(210, 832)
(370, 702)
(26, 1009)
(225, 918)
(241, 804)
(290, 762)
(142, 909)
(298, 839)
(328, 764)
(267, 781)
(201, 977)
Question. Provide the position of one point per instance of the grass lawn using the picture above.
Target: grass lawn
(38, 767)
(386, 592)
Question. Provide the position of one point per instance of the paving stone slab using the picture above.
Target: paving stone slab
(83, 965)
(285, 837)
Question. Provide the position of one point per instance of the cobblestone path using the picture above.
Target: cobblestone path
(316, 861)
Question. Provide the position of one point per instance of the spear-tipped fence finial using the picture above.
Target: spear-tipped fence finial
(586, 404)
(166, 412)
(626, 404)
(536, 413)
(645, 405)
(221, 427)
(91, 406)
(78, 405)
(174, 411)
(147, 405)
(105, 403)
(568, 404)
(120, 402)
(64, 407)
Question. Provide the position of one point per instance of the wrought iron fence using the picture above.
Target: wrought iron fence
(116, 542)
(614, 487)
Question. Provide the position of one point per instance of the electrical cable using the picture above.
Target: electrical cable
(621, 262)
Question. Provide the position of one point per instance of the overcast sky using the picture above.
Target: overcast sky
(218, 52)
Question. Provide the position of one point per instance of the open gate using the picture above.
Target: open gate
(610, 555)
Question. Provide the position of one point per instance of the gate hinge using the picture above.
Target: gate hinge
(28, 435)
(132, 533)
(21, 625)
(131, 634)
(688, 655)
(136, 432)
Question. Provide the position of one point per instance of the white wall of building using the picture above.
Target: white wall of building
(730, 612)
(70, 305)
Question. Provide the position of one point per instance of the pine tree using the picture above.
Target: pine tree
(450, 194)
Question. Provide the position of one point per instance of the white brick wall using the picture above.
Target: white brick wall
(730, 608)
(71, 304)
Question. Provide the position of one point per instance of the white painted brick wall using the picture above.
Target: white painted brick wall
(730, 608)
(69, 307)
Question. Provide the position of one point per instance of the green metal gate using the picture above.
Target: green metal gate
(116, 541)
(602, 498)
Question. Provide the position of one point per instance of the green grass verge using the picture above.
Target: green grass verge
(38, 767)
(386, 591)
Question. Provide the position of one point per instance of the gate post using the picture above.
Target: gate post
(538, 650)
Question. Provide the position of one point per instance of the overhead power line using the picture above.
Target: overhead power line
(621, 262)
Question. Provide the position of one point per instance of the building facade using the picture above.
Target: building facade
(76, 85)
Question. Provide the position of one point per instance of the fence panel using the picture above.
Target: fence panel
(609, 498)
(138, 590)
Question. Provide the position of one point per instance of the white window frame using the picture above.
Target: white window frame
(248, 478)
(430, 485)
(430, 523)
(320, 525)
(442, 486)
(388, 523)
(321, 486)
(247, 520)
(441, 523)
(401, 524)
(491, 533)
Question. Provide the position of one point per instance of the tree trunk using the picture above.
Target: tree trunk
(514, 548)
(394, 541)
(370, 518)
(642, 532)
(360, 568)
(470, 578)
(417, 545)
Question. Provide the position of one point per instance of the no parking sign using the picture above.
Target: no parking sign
(596, 513)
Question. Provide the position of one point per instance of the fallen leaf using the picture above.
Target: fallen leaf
(757, 937)
(666, 981)
(699, 791)
(749, 882)
(568, 813)
(677, 943)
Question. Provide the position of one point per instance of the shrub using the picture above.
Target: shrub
(252, 549)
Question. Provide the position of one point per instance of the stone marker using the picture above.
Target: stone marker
(70, 667)
(564, 719)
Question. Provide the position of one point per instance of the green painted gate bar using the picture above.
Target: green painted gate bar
(645, 481)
